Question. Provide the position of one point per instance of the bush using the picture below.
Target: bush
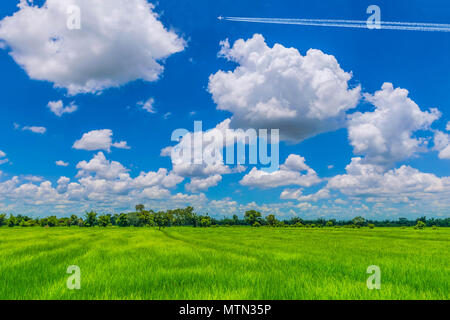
(420, 225)
(257, 224)
(371, 225)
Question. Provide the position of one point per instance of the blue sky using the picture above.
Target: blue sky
(415, 61)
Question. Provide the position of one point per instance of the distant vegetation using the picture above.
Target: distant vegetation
(187, 217)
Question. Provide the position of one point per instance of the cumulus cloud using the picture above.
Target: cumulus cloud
(198, 184)
(58, 108)
(297, 194)
(405, 183)
(119, 41)
(279, 88)
(293, 172)
(99, 180)
(99, 140)
(442, 144)
(209, 161)
(386, 135)
(101, 167)
(448, 126)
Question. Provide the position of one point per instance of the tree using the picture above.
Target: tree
(12, 221)
(134, 220)
(52, 221)
(420, 225)
(271, 220)
(359, 221)
(329, 224)
(140, 207)
(104, 220)
(122, 220)
(205, 221)
(91, 219)
(161, 219)
(80, 222)
(73, 221)
(252, 216)
(146, 218)
(235, 219)
(3, 220)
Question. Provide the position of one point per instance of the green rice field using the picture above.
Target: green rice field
(224, 263)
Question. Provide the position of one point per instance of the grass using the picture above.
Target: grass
(224, 263)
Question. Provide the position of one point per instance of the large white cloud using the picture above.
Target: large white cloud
(102, 168)
(281, 89)
(386, 135)
(99, 181)
(205, 166)
(119, 41)
(293, 172)
(99, 140)
(370, 180)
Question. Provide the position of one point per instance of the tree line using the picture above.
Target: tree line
(187, 217)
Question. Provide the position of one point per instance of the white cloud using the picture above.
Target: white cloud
(99, 140)
(370, 180)
(293, 172)
(148, 105)
(58, 108)
(213, 142)
(386, 135)
(101, 167)
(61, 163)
(100, 182)
(278, 88)
(3, 158)
(32, 178)
(442, 144)
(198, 184)
(34, 129)
(448, 126)
(119, 41)
(297, 194)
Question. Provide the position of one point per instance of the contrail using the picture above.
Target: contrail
(410, 26)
